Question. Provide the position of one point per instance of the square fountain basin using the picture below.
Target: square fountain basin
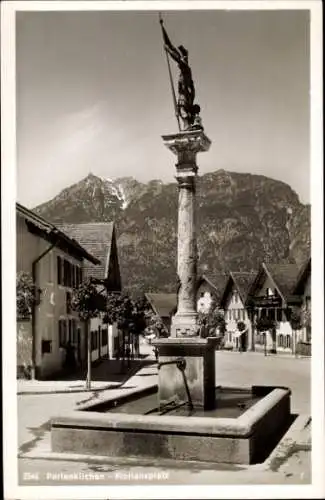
(101, 429)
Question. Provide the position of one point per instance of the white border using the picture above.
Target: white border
(8, 192)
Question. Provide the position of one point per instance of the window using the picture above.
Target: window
(288, 341)
(62, 332)
(271, 313)
(68, 302)
(74, 331)
(104, 337)
(46, 346)
(280, 340)
(94, 340)
(73, 276)
(65, 272)
(70, 330)
(59, 270)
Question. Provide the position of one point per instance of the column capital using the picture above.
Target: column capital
(192, 141)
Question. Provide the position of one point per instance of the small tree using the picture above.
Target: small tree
(139, 323)
(27, 295)
(88, 302)
(296, 324)
(264, 324)
(210, 321)
(154, 324)
(306, 320)
(241, 327)
(129, 314)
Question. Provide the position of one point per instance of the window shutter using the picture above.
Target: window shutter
(59, 270)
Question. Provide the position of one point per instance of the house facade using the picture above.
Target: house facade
(163, 305)
(210, 288)
(302, 289)
(271, 296)
(55, 263)
(207, 294)
(233, 303)
(99, 239)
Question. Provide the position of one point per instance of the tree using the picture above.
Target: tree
(129, 314)
(210, 321)
(241, 327)
(138, 323)
(155, 325)
(296, 324)
(89, 303)
(306, 320)
(27, 295)
(264, 324)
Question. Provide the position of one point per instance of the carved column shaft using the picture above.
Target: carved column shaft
(186, 245)
(186, 145)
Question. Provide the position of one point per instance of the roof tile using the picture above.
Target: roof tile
(96, 238)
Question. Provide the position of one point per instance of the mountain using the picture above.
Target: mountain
(242, 220)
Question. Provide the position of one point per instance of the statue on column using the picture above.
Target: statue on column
(186, 109)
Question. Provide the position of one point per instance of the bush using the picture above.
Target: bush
(241, 326)
(27, 295)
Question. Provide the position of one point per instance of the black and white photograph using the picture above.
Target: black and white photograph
(162, 237)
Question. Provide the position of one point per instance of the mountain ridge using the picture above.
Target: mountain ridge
(242, 220)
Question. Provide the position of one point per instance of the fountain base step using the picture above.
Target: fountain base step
(109, 429)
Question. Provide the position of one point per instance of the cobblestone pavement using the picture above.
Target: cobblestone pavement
(242, 369)
(250, 368)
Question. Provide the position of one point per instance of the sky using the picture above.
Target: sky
(93, 95)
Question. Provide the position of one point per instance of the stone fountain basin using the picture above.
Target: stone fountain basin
(247, 439)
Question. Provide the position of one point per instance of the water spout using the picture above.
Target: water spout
(181, 365)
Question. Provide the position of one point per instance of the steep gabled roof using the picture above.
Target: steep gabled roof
(242, 282)
(283, 276)
(305, 272)
(163, 304)
(54, 234)
(97, 239)
(217, 281)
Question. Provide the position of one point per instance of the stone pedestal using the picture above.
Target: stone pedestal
(186, 145)
(199, 371)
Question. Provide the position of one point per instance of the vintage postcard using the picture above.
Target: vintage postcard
(162, 205)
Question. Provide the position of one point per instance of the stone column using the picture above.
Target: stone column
(186, 145)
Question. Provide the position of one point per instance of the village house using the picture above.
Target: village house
(271, 296)
(164, 305)
(302, 289)
(99, 239)
(55, 263)
(233, 303)
(209, 289)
